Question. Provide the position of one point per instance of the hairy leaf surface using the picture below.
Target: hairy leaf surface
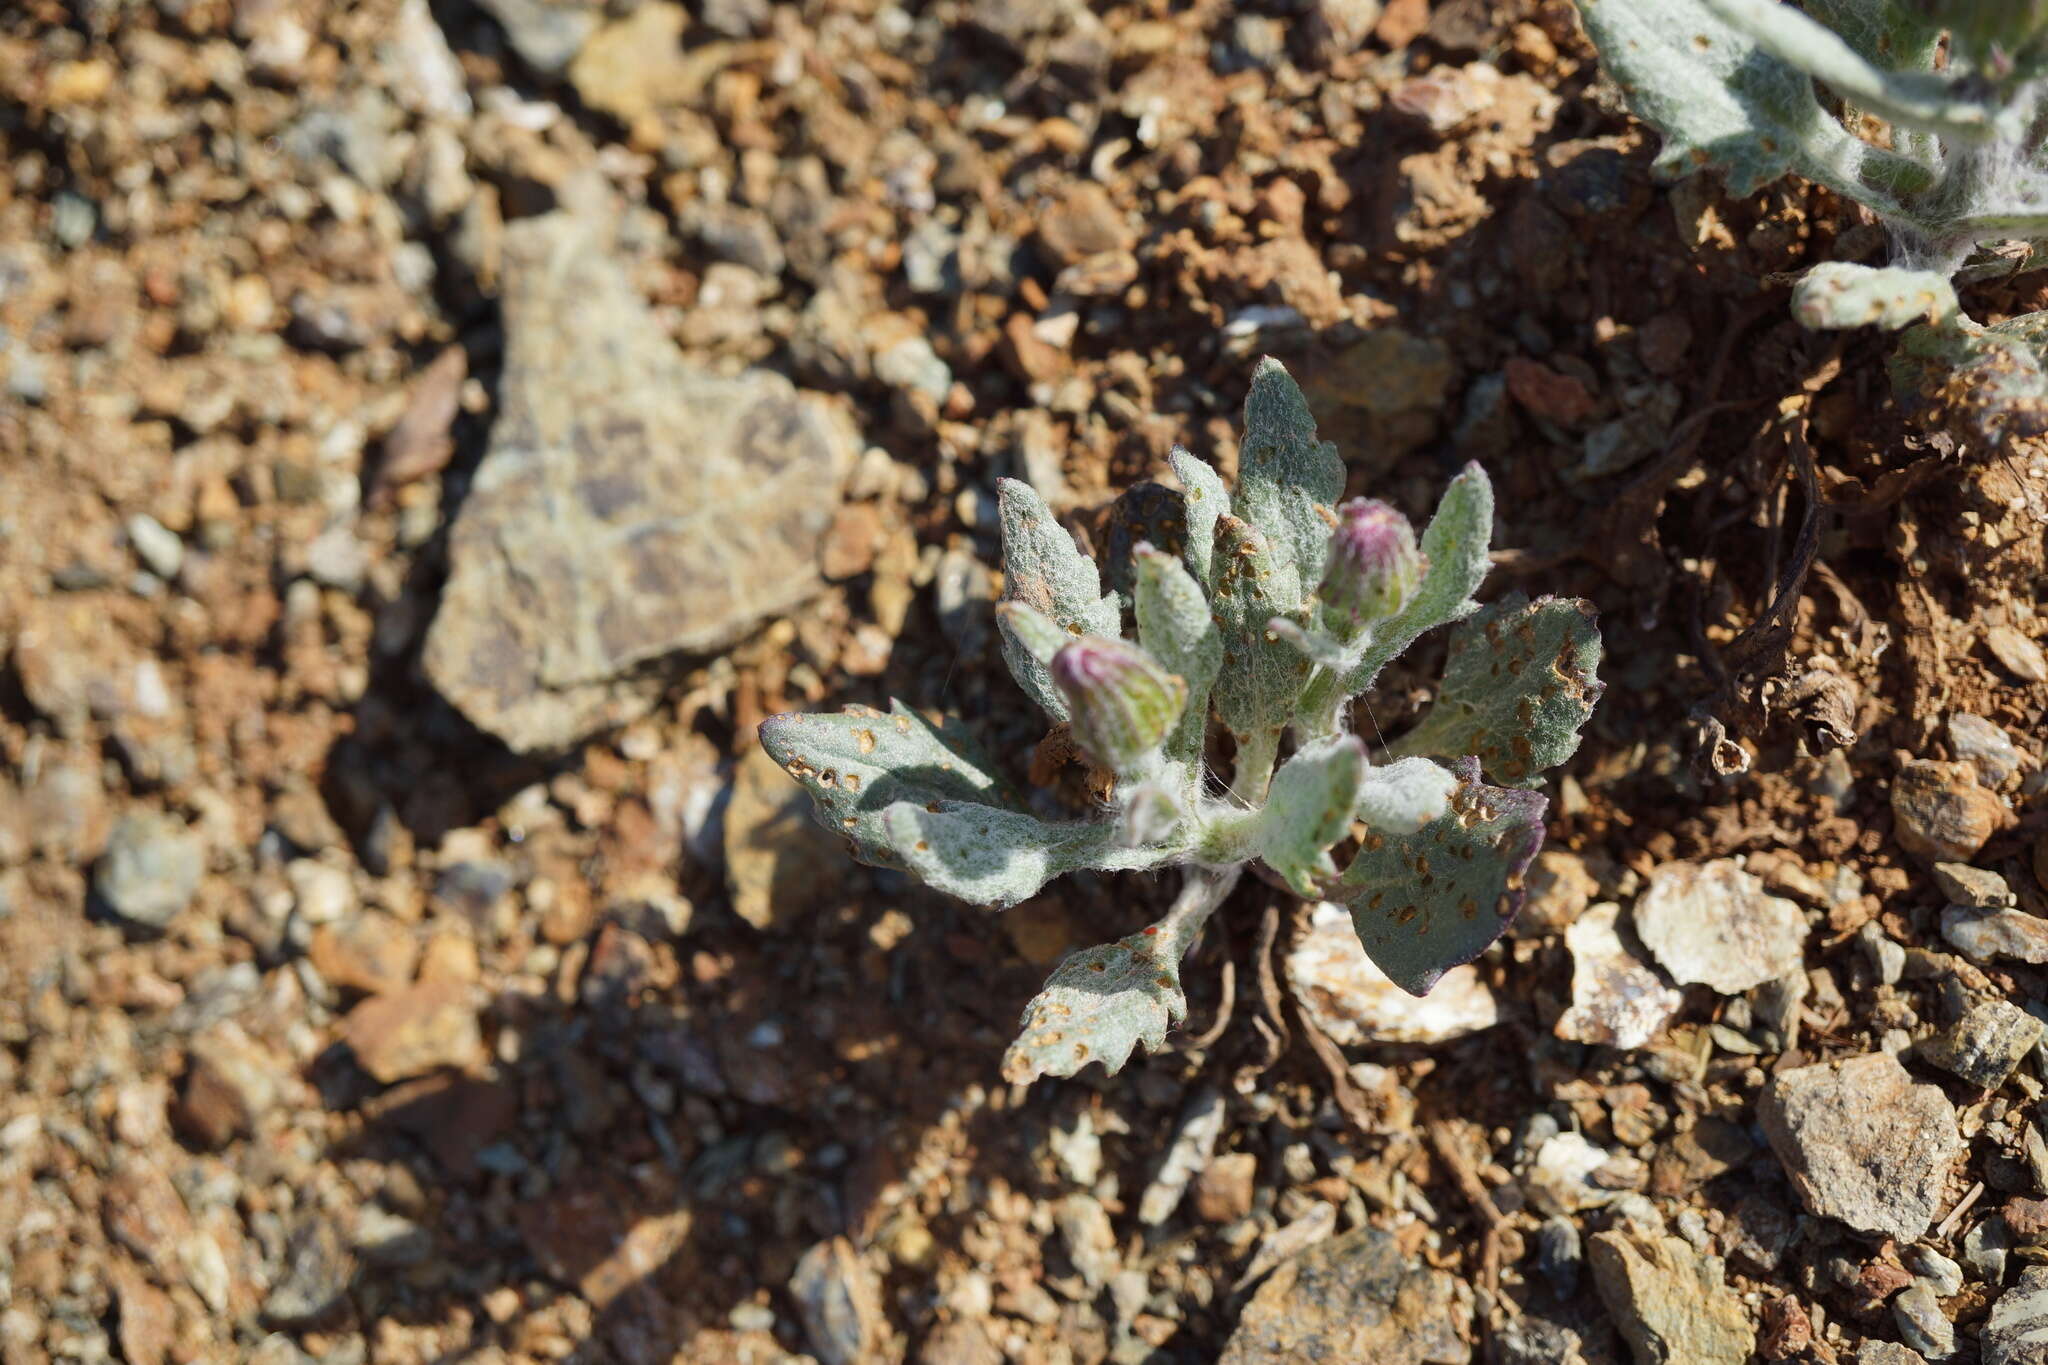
(1309, 809)
(858, 763)
(989, 856)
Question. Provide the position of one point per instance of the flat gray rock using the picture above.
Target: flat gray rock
(629, 507)
(1863, 1142)
(1987, 935)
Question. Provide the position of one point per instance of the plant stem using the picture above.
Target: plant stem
(1257, 750)
(1204, 890)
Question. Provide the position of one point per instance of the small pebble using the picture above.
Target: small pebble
(1887, 959)
(1986, 1045)
(2019, 655)
(1984, 746)
(1972, 886)
(160, 550)
(151, 869)
(1922, 1323)
(1942, 1275)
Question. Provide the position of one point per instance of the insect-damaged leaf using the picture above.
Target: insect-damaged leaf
(1988, 385)
(1043, 569)
(1519, 681)
(858, 763)
(1144, 514)
(1101, 1003)
(1425, 902)
(1203, 502)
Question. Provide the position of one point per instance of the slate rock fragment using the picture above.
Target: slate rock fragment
(1986, 1044)
(629, 506)
(2016, 1333)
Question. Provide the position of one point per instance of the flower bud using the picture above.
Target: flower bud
(1374, 566)
(1122, 704)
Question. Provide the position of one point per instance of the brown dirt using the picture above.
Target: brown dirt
(230, 258)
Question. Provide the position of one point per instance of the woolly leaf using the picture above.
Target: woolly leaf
(1043, 569)
(858, 763)
(988, 856)
(1403, 796)
(1205, 500)
(1287, 480)
(1031, 630)
(1838, 294)
(1101, 1003)
(1518, 683)
(1882, 32)
(1721, 100)
(1175, 625)
(1916, 99)
(1261, 672)
(1309, 809)
(1425, 902)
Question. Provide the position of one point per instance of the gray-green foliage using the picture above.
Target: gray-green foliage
(1944, 142)
(1427, 854)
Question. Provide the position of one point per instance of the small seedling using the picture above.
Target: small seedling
(1276, 608)
(1927, 112)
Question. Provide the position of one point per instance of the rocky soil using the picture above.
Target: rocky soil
(433, 435)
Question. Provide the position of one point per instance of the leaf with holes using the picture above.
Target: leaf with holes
(1425, 902)
(1102, 1003)
(1987, 385)
(1519, 681)
(858, 763)
(1145, 514)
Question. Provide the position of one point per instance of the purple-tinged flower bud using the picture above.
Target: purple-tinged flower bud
(1374, 566)
(1121, 703)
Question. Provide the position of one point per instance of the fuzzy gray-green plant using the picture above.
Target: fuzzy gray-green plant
(1943, 140)
(1277, 607)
